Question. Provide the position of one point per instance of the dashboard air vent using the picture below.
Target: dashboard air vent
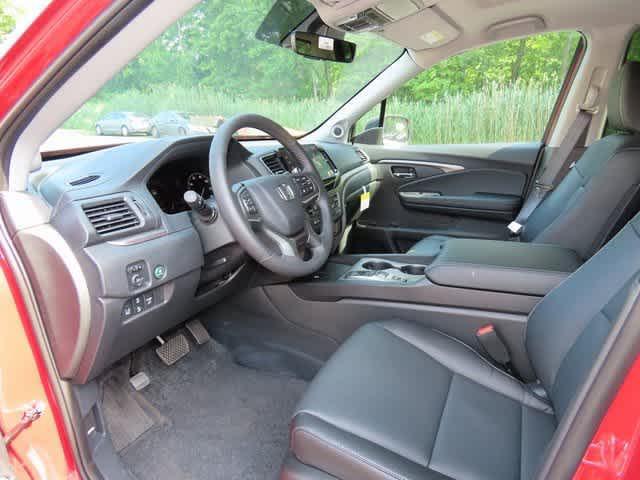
(111, 217)
(363, 156)
(330, 183)
(84, 180)
(274, 164)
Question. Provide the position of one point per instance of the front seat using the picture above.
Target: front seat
(401, 401)
(599, 194)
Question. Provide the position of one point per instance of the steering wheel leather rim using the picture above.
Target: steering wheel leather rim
(236, 219)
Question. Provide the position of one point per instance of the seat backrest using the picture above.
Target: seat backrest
(566, 330)
(581, 212)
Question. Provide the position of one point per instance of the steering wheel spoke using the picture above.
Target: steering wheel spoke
(313, 239)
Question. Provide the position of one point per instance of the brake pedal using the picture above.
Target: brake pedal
(197, 330)
(173, 349)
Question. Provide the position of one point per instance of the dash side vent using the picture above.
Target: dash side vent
(84, 180)
(112, 216)
(274, 164)
(363, 156)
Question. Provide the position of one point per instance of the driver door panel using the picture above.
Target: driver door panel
(454, 190)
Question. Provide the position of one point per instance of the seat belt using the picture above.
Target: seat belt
(553, 171)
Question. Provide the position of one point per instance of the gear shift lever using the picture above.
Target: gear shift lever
(198, 204)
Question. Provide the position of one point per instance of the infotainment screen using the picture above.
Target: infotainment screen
(320, 161)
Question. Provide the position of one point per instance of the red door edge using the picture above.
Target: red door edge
(614, 451)
(53, 405)
(42, 43)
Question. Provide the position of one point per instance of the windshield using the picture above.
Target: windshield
(220, 60)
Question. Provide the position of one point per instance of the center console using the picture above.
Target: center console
(388, 271)
(469, 284)
(498, 276)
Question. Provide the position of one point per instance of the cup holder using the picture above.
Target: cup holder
(413, 269)
(376, 266)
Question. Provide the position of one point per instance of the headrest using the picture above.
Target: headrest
(624, 98)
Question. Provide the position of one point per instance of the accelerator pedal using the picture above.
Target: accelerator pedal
(197, 330)
(173, 349)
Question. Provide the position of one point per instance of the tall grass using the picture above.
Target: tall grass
(496, 113)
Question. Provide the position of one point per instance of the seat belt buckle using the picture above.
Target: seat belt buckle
(515, 228)
(493, 346)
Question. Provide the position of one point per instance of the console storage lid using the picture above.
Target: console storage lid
(502, 266)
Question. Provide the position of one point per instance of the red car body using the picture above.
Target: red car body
(45, 449)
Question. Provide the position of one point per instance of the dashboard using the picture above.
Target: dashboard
(168, 184)
(134, 263)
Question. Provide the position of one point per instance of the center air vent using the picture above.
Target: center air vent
(111, 217)
(274, 164)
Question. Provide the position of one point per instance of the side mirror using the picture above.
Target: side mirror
(396, 130)
(319, 47)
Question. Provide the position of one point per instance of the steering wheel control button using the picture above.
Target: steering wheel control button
(159, 272)
(137, 275)
(248, 203)
(305, 185)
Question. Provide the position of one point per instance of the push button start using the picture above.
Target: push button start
(159, 272)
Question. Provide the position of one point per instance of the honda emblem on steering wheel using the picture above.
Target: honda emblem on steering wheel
(286, 192)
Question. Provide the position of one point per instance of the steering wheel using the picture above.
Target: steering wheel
(267, 215)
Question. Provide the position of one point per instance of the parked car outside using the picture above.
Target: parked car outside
(124, 123)
(178, 123)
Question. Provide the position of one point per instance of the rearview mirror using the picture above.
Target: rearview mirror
(320, 47)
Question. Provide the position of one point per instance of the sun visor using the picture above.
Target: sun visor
(415, 24)
(517, 27)
(429, 28)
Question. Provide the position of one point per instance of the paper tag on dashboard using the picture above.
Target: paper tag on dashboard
(325, 43)
(365, 200)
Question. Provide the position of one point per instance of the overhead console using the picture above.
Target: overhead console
(392, 19)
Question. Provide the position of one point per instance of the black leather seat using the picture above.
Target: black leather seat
(599, 193)
(400, 401)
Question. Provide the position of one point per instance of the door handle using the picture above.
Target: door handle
(404, 173)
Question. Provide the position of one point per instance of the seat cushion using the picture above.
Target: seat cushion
(401, 401)
(429, 246)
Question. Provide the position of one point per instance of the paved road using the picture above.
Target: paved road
(73, 139)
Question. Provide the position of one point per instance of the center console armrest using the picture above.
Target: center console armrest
(514, 267)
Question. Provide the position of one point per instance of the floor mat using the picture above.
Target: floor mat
(126, 419)
(222, 420)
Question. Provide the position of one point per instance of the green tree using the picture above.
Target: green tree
(7, 21)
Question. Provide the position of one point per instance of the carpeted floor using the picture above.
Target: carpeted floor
(212, 419)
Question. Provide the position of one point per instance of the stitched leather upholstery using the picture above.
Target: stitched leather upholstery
(400, 401)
